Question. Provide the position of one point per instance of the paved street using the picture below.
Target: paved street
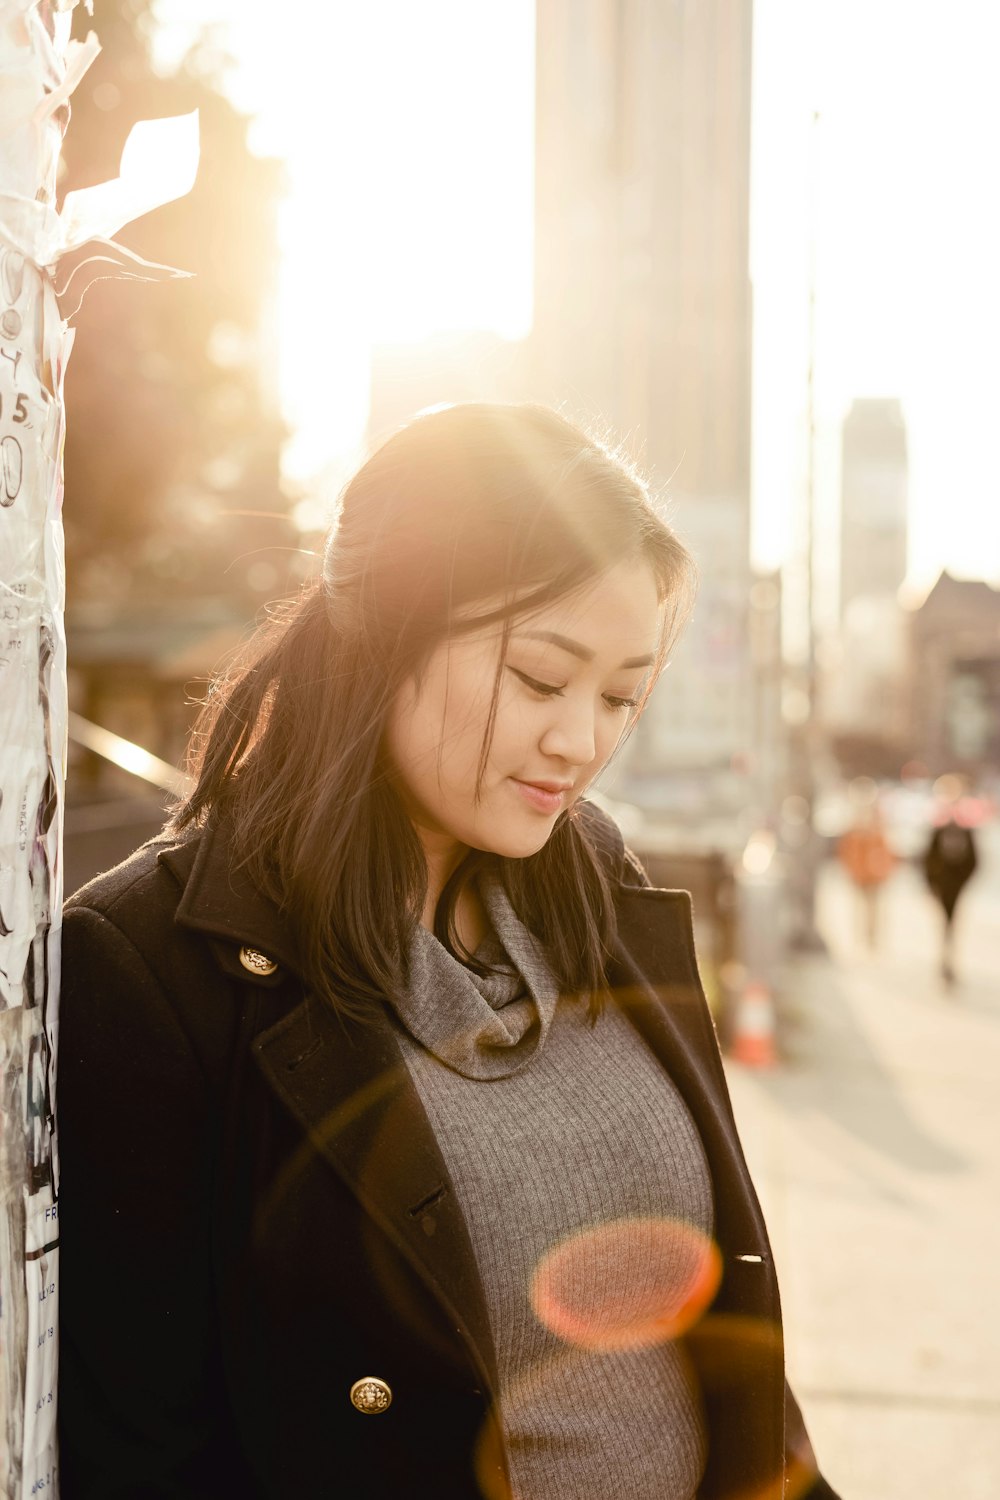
(876, 1151)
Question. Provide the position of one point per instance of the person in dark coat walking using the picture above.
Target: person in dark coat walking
(396, 1149)
(949, 863)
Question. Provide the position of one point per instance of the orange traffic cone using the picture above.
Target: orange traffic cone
(753, 1034)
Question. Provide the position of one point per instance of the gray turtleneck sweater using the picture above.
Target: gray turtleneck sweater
(584, 1185)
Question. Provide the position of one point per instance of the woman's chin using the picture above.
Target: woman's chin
(515, 843)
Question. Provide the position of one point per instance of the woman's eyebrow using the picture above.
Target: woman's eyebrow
(576, 649)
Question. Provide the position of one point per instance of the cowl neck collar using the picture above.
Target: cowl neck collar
(481, 1026)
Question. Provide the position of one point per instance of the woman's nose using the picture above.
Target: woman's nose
(571, 735)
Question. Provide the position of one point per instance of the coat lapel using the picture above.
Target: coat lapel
(352, 1093)
(349, 1089)
(655, 979)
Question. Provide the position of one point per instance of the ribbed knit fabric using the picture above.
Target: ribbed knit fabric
(564, 1138)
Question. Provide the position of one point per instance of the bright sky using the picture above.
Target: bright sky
(907, 234)
(408, 134)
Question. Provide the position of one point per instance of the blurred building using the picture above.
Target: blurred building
(865, 688)
(643, 326)
(955, 677)
(864, 666)
(873, 514)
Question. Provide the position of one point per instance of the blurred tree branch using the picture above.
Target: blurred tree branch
(172, 388)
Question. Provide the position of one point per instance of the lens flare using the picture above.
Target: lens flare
(793, 1483)
(627, 1284)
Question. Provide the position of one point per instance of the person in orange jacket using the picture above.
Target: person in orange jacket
(865, 854)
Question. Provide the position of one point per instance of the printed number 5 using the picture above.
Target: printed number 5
(20, 408)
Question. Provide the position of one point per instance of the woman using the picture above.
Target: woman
(396, 1149)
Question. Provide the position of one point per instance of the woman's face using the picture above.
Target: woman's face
(572, 673)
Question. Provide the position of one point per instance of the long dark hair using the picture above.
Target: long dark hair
(512, 504)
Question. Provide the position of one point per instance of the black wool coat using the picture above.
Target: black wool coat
(254, 1216)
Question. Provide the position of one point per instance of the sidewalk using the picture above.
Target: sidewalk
(876, 1152)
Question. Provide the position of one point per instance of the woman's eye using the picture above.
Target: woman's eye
(618, 704)
(543, 689)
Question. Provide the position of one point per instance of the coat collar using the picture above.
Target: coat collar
(219, 899)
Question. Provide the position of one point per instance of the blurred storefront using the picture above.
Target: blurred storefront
(955, 678)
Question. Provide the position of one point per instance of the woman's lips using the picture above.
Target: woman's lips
(546, 797)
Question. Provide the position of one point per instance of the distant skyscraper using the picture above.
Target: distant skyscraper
(643, 319)
(864, 688)
(873, 502)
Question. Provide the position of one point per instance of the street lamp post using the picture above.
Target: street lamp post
(803, 705)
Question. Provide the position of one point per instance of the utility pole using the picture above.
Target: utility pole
(34, 345)
(805, 737)
(40, 65)
(811, 683)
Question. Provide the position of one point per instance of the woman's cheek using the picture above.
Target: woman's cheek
(612, 727)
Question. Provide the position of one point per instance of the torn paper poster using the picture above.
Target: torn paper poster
(39, 67)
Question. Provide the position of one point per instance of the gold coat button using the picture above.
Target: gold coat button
(371, 1395)
(256, 962)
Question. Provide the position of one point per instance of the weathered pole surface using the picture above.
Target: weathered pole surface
(34, 345)
(39, 67)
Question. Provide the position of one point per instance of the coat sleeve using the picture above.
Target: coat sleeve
(139, 1409)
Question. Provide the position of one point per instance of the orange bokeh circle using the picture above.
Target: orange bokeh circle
(626, 1284)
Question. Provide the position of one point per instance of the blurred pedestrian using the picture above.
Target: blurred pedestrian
(396, 1152)
(866, 855)
(949, 862)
